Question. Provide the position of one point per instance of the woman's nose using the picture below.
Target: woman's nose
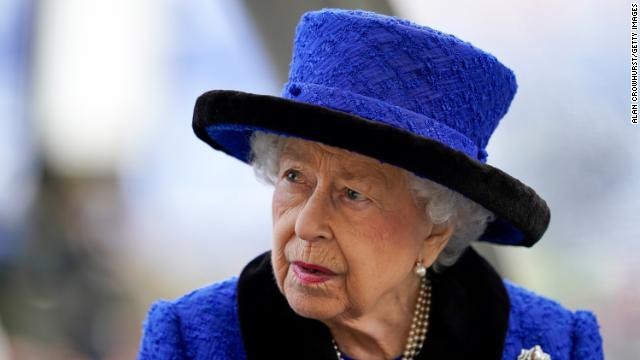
(313, 221)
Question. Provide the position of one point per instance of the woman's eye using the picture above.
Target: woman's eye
(354, 195)
(291, 175)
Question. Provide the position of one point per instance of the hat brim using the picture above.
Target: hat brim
(225, 119)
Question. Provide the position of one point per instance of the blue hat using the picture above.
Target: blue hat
(396, 91)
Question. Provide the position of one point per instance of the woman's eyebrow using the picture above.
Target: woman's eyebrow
(290, 156)
(350, 172)
(294, 155)
(367, 172)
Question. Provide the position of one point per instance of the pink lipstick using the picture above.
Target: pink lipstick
(310, 273)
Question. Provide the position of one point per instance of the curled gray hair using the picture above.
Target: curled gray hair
(442, 205)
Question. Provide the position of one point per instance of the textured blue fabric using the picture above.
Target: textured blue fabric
(536, 320)
(204, 325)
(406, 75)
(397, 72)
(200, 325)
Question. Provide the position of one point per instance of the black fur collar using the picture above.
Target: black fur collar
(469, 315)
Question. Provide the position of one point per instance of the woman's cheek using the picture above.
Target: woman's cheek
(277, 203)
(280, 267)
(284, 199)
(284, 227)
(283, 231)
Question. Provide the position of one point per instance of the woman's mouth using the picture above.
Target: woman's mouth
(310, 273)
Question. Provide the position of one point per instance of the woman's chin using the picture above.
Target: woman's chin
(312, 309)
(311, 302)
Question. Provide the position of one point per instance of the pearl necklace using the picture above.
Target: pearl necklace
(419, 324)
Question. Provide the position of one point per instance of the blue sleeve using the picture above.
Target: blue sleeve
(161, 338)
(587, 341)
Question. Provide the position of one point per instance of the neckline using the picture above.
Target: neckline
(469, 315)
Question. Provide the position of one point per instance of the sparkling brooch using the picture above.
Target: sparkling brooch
(535, 353)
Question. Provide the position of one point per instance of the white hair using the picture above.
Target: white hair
(441, 204)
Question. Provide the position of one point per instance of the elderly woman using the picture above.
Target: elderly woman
(376, 153)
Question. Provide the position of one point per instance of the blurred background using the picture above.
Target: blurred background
(108, 201)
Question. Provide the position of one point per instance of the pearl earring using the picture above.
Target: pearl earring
(420, 269)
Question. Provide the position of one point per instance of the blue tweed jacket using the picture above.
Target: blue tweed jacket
(475, 314)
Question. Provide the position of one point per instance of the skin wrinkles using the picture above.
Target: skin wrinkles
(354, 170)
(371, 241)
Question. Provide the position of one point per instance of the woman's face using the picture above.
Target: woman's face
(354, 217)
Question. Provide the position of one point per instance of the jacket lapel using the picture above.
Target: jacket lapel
(469, 315)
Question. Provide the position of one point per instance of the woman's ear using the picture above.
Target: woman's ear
(435, 242)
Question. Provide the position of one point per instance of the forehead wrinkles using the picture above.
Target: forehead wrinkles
(352, 165)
